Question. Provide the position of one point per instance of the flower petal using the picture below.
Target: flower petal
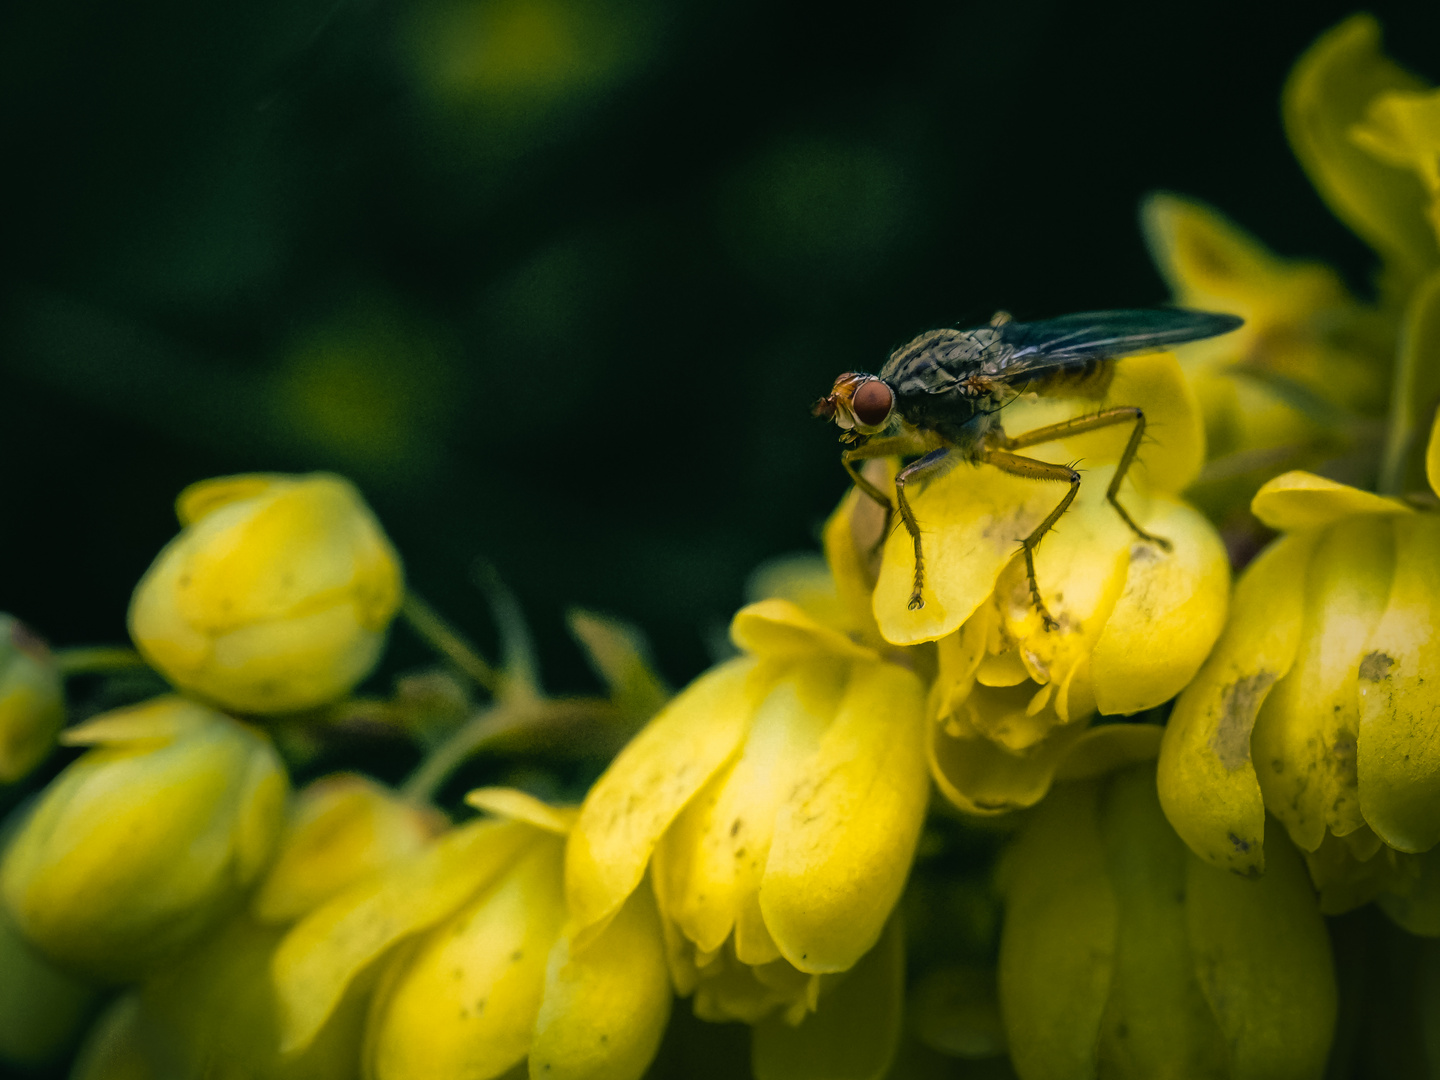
(1080, 570)
(326, 950)
(1432, 457)
(1411, 895)
(1109, 747)
(781, 630)
(1416, 389)
(853, 1032)
(1177, 597)
(1305, 735)
(1301, 500)
(1398, 755)
(646, 787)
(959, 658)
(846, 832)
(605, 1008)
(1206, 777)
(1057, 948)
(972, 520)
(464, 1003)
(1174, 448)
(206, 496)
(342, 828)
(1327, 93)
(1346, 880)
(979, 774)
(1263, 957)
(1403, 129)
(158, 721)
(851, 540)
(709, 865)
(517, 805)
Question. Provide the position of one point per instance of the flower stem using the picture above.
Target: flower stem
(565, 722)
(97, 660)
(447, 641)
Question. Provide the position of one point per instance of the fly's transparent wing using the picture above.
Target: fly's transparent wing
(1096, 335)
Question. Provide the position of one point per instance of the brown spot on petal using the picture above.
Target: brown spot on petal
(1238, 706)
(1376, 666)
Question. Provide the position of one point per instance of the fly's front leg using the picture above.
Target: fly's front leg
(883, 446)
(1036, 470)
(901, 445)
(932, 463)
(1094, 422)
(848, 459)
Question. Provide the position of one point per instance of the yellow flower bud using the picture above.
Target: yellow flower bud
(41, 1009)
(777, 801)
(213, 1014)
(1121, 948)
(32, 701)
(342, 828)
(1319, 702)
(148, 838)
(275, 596)
(477, 970)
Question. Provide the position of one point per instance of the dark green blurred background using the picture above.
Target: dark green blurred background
(556, 280)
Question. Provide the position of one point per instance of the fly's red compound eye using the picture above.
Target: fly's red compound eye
(871, 403)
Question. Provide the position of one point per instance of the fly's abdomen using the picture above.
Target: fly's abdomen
(1079, 379)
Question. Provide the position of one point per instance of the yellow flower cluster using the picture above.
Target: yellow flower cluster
(1150, 792)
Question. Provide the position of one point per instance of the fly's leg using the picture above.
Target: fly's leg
(848, 459)
(1036, 470)
(1094, 422)
(931, 463)
(879, 447)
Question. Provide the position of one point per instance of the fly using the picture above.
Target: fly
(940, 397)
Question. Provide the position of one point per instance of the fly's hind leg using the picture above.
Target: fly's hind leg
(1079, 426)
(1037, 470)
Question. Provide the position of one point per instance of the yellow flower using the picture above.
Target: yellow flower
(777, 801)
(41, 1009)
(32, 701)
(1321, 700)
(1273, 391)
(215, 1013)
(1350, 113)
(148, 838)
(484, 974)
(275, 596)
(1011, 696)
(1122, 950)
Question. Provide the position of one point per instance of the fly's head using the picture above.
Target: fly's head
(861, 406)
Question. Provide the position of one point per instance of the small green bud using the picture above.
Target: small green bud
(32, 702)
(143, 842)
